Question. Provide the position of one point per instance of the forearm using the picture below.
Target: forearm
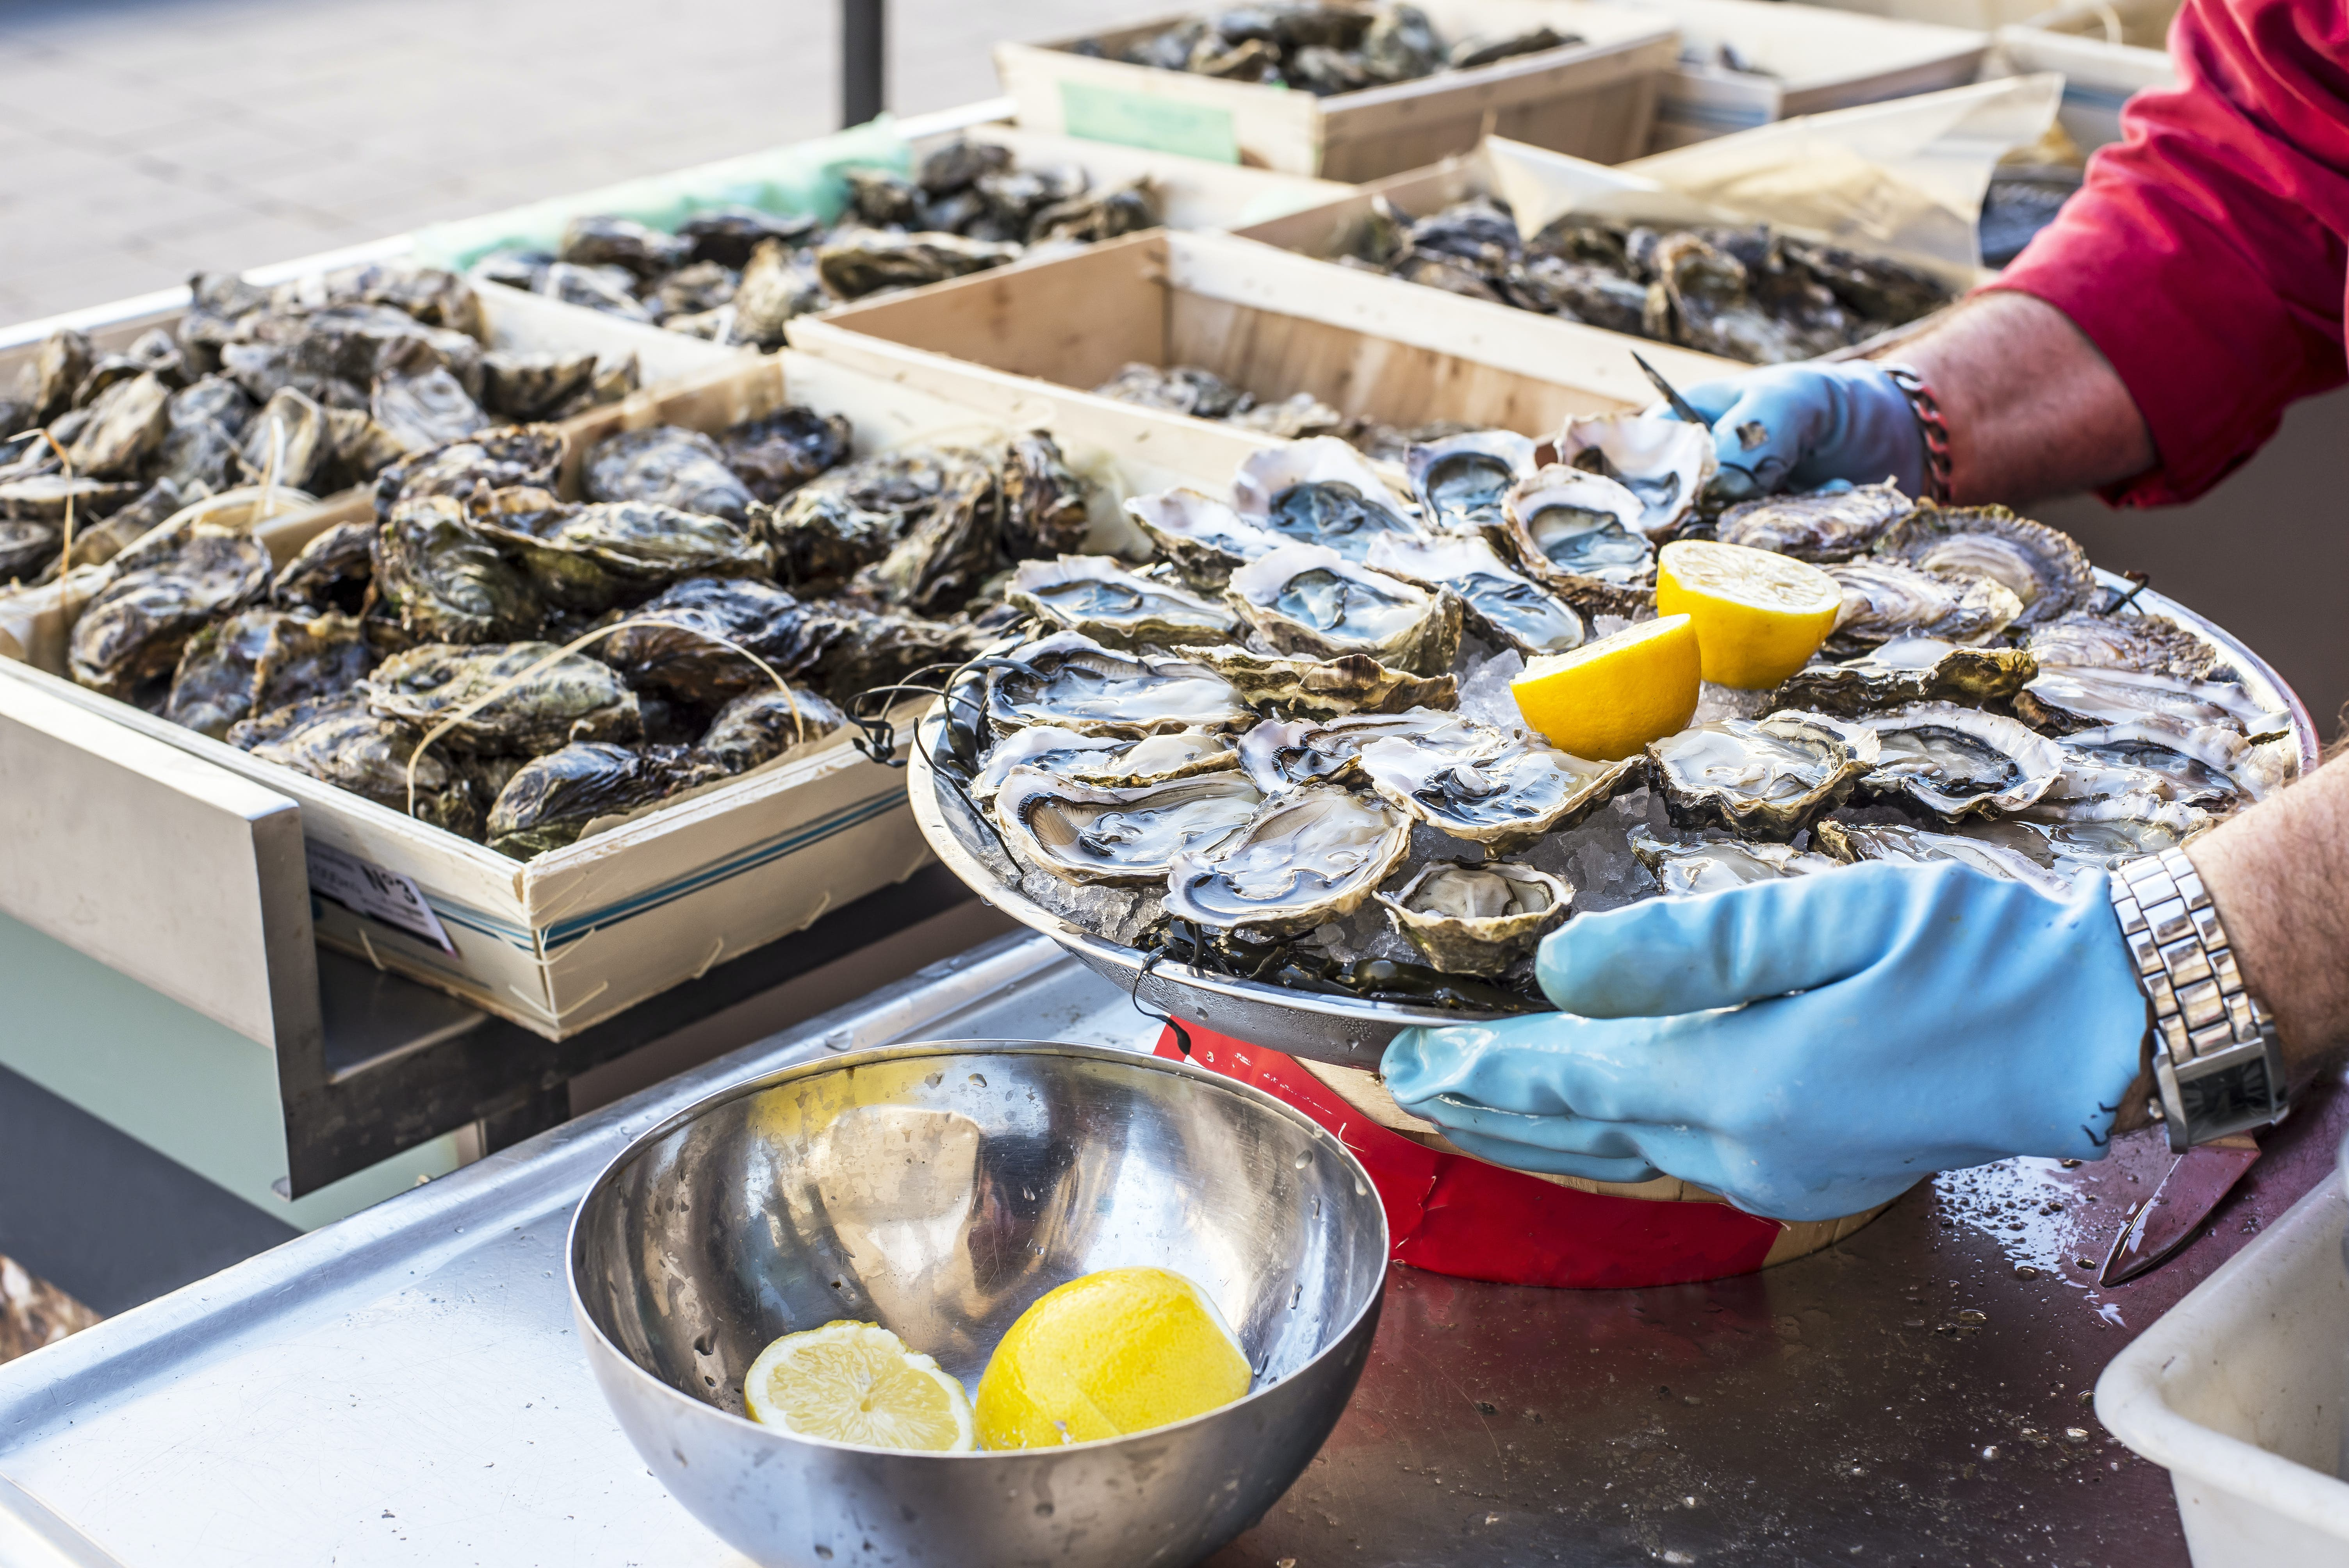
(2033, 408)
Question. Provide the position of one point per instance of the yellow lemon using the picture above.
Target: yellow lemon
(1606, 700)
(1119, 1351)
(1759, 617)
(857, 1383)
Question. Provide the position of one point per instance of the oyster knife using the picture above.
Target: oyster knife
(2199, 1179)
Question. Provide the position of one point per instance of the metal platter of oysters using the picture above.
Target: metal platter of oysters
(1274, 779)
(708, 607)
(737, 275)
(1319, 48)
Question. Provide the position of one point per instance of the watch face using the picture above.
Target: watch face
(2237, 1088)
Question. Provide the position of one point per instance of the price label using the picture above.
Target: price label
(1138, 120)
(375, 892)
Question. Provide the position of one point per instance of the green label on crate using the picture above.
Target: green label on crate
(1136, 119)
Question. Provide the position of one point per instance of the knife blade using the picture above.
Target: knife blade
(1678, 404)
(2162, 1225)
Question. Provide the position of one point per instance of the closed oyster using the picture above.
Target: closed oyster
(127, 425)
(1282, 754)
(2153, 643)
(1855, 842)
(418, 402)
(759, 726)
(1960, 763)
(1823, 526)
(1097, 595)
(1107, 761)
(672, 643)
(939, 564)
(331, 572)
(443, 579)
(534, 386)
(341, 742)
(1354, 682)
(1477, 919)
(1491, 787)
(1124, 837)
(1320, 492)
(1310, 599)
(1708, 865)
(551, 801)
(587, 557)
(1461, 481)
(861, 262)
(2043, 567)
(1759, 779)
(1908, 670)
(1664, 462)
(670, 465)
(516, 455)
(776, 453)
(1883, 600)
(573, 698)
(832, 527)
(1071, 682)
(157, 595)
(26, 547)
(1309, 857)
(1497, 604)
(2066, 697)
(1579, 534)
(1203, 538)
(1046, 506)
(257, 661)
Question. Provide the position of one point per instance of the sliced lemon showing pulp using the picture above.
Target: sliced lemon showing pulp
(857, 1383)
(1606, 700)
(1759, 617)
(1119, 1351)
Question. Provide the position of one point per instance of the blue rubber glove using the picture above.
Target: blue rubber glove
(1883, 1021)
(1796, 426)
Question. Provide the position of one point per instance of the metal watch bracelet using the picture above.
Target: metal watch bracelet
(2218, 1066)
(1929, 424)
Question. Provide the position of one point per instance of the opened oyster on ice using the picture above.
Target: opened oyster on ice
(1478, 919)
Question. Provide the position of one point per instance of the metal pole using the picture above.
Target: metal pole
(863, 54)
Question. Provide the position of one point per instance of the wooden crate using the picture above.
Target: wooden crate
(554, 943)
(1596, 98)
(1815, 59)
(1040, 338)
(2099, 77)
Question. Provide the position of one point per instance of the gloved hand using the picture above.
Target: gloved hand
(1796, 426)
(1886, 1021)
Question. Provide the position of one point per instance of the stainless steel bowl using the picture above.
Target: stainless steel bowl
(1351, 1031)
(939, 1190)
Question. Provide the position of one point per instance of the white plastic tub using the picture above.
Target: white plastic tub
(2240, 1391)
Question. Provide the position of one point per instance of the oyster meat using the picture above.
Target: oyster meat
(1708, 865)
(551, 800)
(1098, 595)
(1883, 600)
(2043, 567)
(1580, 534)
(1320, 492)
(1304, 859)
(1309, 599)
(2066, 697)
(1461, 481)
(1959, 762)
(1823, 526)
(158, 595)
(1851, 842)
(1908, 670)
(1759, 779)
(1499, 604)
(1205, 539)
(1071, 682)
(1477, 919)
(1127, 837)
(2120, 758)
(1282, 754)
(1665, 462)
(535, 710)
(2153, 643)
(1352, 683)
(1491, 787)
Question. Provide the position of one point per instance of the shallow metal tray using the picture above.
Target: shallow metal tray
(1344, 1030)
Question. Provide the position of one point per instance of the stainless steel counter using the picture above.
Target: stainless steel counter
(404, 1387)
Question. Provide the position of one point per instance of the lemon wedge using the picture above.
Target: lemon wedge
(857, 1383)
(1759, 617)
(1119, 1351)
(1606, 700)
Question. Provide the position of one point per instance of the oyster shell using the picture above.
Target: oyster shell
(443, 579)
(1823, 526)
(1759, 779)
(776, 453)
(1071, 682)
(1047, 509)
(1354, 682)
(1310, 599)
(1127, 837)
(1852, 842)
(1908, 670)
(1320, 492)
(939, 563)
(1097, 595)
(587, 557)
(1491, 787)
(1106, 761)
(2068, 849)
(340, 741)
(2153, 643)
(1960, 763)
(157, 595)
(1203, 538)
(1311, 856)
(759, 726)
(669, 465)
(1461, 481)
(1477, 919)
(517, 454)
(671, 646)
(1664, 462)
(2066, 697)
(1708, 865)
(1883, 600)
(1497, 604)
(1580, 533)
(2043, 567)
(2174, 765)
(127, 425)
(573, 698)
(331, 572)
(1282, 754)
(857, 263)
(551, 800)
(257, 661)
(844, 520)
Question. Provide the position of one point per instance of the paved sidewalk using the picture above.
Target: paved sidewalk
(141, 140)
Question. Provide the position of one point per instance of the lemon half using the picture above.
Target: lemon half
(1759, 617)
(1115, 1352)
(857, 1383)
(1606, 700)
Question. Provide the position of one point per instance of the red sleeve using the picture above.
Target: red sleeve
(2204, 256)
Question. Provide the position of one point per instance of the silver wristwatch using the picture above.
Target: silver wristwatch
(2218, 1066)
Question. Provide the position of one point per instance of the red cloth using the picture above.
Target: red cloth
(1452, 1215)
(2205, 255)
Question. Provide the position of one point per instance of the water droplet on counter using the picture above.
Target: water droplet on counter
(978, 1080)
(1296, 1294)
(703, 1346)
(935, 1079)
(1304, 1160)
(1991, 1452)
(2024, 1271)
